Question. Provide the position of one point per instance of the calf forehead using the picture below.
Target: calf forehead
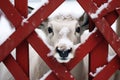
(63, 23)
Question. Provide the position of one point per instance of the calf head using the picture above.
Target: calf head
(63, 34)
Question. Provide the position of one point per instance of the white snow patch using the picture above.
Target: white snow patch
(117, 8)
(97, 71)
(71, 76)
(68, 7)
(110, 57)
(99, 10)
(24, 21)
(114, 26)
(36, 6)
(56, 73)
(46, 75)
(66, 71)
(5, 28)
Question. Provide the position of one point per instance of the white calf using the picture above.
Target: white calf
(63, 34)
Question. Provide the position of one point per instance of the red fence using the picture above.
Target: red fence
(96, 45)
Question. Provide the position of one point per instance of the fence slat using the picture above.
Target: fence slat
(15, 69)
(110, 35)
(111, 68)
(22, 51)
(22, 56)
(98, 57)
(22, 7)
(11, 13)
(93, 40)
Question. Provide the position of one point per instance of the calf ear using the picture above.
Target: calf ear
(84, 21)
(30, 9)
(43, 24)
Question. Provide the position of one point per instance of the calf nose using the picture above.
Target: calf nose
(63, 53)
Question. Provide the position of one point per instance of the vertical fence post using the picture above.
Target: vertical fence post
(22, 7)
(98, 57)
(22, 50)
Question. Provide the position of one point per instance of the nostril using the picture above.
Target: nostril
(58, 50)
(63, 53)
(69, 50)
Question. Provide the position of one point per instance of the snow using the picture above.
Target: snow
(5, 28)
(24, 21)
(66, 71)
(71, 76)
(68, 7)
(111, 54)
(110, 57)
(45, 75)
(97, 71)
(36, 7)
(99, 10)
(117, 8)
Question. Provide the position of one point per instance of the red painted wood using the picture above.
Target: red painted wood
(58, 69)
(91, 25)
(92, 8)
(15, 69)
(89, 8)
(112, 67)
(98, 3)
(98, 56)
(10, 12)
(85, 48)
(52, 76)
(22, 56)
(104, 24)
(110, 35)
(118, 11)
(22, 52)
(23, 31)
(111, 17)
(22, 7)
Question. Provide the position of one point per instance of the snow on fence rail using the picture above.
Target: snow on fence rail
(96, 45)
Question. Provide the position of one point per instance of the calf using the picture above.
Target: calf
(63, 34)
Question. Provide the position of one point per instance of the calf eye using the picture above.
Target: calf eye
(50, 30)
(78, 30)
